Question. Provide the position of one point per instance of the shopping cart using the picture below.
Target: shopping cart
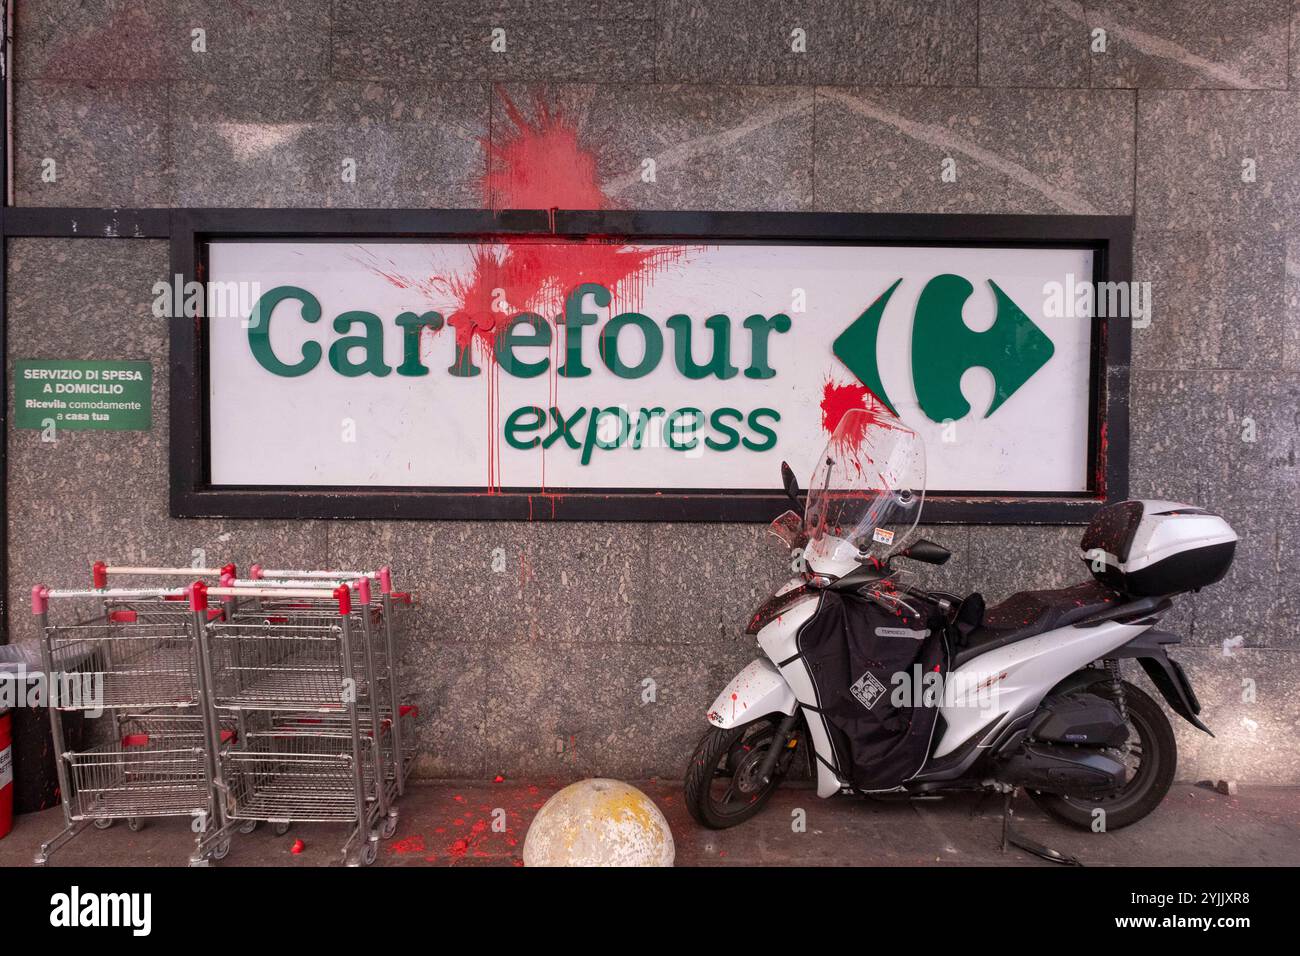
(389, 603)
(280, 703)
(280, 655)
(101, 571)
(137, 660)
(155, 769)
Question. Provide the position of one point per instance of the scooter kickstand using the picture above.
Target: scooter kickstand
(1022, 842)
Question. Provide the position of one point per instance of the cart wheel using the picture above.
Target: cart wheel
(281, 827)
(135, 824)
(370, 853)
(103, 824)
(248, 826)
(390, 826)
(221, 849)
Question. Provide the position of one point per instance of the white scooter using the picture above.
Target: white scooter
(1025, 694)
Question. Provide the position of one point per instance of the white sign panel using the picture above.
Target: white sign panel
(545, 364)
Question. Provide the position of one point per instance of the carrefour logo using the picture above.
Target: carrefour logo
(702, 346)
(1013, 349)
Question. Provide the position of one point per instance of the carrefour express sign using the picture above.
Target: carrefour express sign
(576, 366)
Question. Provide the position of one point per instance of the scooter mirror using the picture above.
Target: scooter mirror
(790, 482)
(923, 550)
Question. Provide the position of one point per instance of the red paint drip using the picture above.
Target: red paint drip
(540, 164)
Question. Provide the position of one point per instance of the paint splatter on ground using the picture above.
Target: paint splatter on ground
(411, 844)
(493, 834)
(1259, 826)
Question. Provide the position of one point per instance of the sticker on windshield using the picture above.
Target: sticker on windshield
(883, 536)
(868, 690)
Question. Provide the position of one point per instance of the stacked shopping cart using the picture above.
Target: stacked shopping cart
(274, 699)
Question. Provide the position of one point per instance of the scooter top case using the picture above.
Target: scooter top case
(1157, 548)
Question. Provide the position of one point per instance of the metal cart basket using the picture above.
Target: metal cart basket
(274, 699)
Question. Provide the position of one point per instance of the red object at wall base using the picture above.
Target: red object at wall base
(6, 775)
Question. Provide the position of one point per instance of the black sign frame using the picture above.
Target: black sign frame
(193, 495)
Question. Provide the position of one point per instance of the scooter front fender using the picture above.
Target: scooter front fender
(758, 690)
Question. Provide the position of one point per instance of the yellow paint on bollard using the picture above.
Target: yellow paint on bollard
(599, 822)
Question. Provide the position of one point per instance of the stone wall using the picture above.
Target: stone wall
(538, 669)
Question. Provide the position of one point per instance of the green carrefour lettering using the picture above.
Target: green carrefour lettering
(513, 338)
(719, 363)
(593, 439)
(516, 423)
(462, 364)
(755, 418)
(564, 428)
(574, 320)
(372, 341)
(654, 345)
(1013, 348)
(259, 331)
(759, 328)
(412, 325)
(360, 351)
(643, 419)
(674, 433)
(733, 436)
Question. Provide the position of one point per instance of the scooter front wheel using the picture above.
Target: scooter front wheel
(723, 782)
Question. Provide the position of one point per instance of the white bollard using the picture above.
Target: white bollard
(599, 823)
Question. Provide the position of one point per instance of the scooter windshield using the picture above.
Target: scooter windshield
(866, 491)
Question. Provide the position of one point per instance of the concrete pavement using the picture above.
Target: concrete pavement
(451, 824)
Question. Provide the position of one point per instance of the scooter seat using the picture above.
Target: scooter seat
(1030, 613)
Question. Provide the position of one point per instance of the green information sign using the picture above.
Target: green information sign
(116, 396)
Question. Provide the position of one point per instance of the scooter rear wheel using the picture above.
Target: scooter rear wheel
(722, 781)
(1153, 758)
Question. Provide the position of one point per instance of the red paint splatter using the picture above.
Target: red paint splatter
(133, 39)
(463, 845)
(412, 844)
(1103, 449)
(540, 164)
(839, 400)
